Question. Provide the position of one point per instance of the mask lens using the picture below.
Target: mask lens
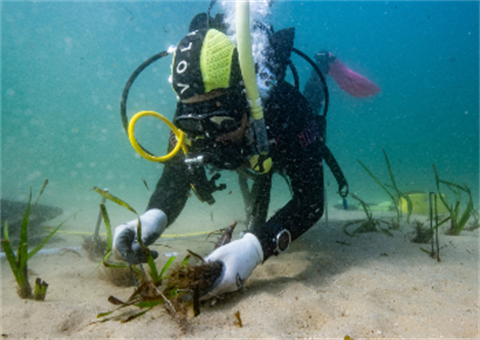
(215, 122)
(223, 123)
(215, 116)
(190, 124)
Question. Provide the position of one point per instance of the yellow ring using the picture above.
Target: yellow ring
(148, 156)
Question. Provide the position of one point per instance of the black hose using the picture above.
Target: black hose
(126, 89)
(212, 3)
(295, 74)
(320, 74)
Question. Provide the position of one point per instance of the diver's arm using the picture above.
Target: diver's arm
(298, 152)
(301, 154)
(304, 209)
(172, 190)
(240, 257)
(164, 206)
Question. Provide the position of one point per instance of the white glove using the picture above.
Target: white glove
(125, 245)
(239, 258)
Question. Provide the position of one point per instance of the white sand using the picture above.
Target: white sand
(376, 286)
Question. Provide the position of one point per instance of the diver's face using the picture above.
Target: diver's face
(217, 115)
(216, 125)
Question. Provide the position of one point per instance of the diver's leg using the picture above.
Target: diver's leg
(314, 92)
(314, 89)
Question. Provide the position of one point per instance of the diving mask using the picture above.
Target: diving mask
(213, 117)
(205, 123)
(215, 123)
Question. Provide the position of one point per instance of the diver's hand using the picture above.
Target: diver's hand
(239, 259)
(125, 245)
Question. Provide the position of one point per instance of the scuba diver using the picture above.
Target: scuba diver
(215, 113)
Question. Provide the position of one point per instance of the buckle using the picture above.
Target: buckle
(284, 238)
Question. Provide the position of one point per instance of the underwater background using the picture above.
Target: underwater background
(64, 66)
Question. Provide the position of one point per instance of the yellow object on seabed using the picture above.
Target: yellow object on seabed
(420, 203)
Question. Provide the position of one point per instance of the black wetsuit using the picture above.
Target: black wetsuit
(296, 152)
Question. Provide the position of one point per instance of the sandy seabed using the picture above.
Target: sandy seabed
(327, 285)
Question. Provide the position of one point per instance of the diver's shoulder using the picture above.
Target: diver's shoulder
(284, 92)
(287, 104)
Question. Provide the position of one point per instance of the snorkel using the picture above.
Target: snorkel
(260, 163)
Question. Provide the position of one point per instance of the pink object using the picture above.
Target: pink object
(351, 82)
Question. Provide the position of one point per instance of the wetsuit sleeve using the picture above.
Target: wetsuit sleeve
(301, 155)
(306, 206)
(173, 188)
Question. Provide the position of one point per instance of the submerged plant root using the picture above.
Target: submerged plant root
(187, 284)
(422, 234)
(120, 277)
(191, 278)
(96, 250)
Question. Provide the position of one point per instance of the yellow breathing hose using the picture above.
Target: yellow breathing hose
(148, 156)
(245, 56)
(247, 66)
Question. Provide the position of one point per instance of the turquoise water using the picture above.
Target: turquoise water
(64, 65)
